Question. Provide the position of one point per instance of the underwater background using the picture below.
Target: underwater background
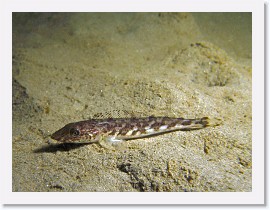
(69, 67)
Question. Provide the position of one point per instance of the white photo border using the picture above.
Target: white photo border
(257, 195)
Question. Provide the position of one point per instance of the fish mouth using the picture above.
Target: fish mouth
(61, 134)
(57, 135)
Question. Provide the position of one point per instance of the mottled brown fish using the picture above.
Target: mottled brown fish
(117, 129)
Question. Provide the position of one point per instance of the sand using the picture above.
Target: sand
(72, 67)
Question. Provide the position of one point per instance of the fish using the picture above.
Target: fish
(120, 129)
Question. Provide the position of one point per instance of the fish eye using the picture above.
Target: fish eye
(74, 132)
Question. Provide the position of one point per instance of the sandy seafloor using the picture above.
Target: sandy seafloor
(72, 67)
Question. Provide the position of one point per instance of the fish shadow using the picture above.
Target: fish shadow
(63, 147)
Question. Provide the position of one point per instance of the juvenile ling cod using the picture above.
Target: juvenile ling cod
(118, 129)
